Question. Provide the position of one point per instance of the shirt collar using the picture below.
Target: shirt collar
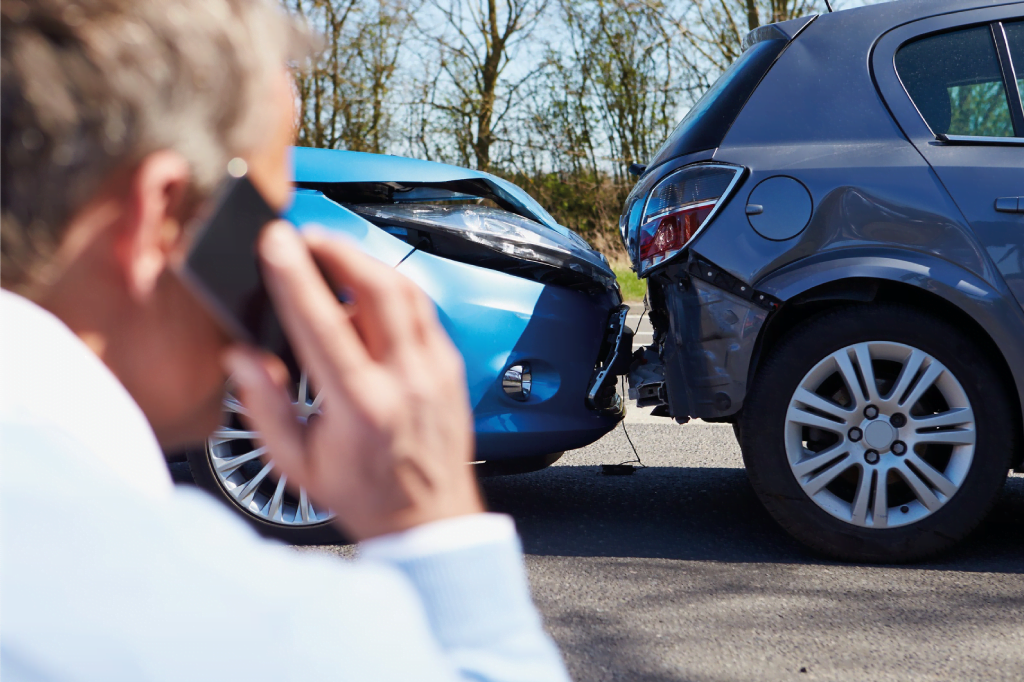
(52, 380)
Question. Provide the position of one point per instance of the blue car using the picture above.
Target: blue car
(536, 313)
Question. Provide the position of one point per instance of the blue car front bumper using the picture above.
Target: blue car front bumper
(499, 320)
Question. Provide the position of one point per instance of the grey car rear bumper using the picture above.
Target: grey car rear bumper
(699, 363)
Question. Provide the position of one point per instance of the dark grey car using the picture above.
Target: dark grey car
(834, 244)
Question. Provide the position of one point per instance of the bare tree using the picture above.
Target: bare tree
(627, 75)
(320, 83)
(477, 41)
(377, 47)
(713, 30)
(344, 92)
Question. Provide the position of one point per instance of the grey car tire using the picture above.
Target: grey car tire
(973, 454)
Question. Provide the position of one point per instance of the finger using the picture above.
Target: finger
(430, 327)
(320, 332)
(268, 409)
(384, 310)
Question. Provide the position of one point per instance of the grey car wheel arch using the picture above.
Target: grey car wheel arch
(987, 306)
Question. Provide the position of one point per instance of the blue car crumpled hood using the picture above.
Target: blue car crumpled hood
(329, 165)
(407, 197)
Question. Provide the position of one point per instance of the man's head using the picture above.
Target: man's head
(118, 119)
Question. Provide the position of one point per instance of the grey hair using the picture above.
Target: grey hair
(92, 86)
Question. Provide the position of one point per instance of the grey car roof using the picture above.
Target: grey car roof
(887, 15)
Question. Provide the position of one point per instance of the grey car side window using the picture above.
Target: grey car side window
(957, 84)
(1015, 41)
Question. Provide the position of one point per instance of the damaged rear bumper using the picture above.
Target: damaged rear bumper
(706, 330)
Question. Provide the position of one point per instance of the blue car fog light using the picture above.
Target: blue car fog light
(517, 382)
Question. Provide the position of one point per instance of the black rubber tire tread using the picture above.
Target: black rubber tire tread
(763, 425)
(322, 534)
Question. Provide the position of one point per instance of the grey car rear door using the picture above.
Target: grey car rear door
(953, 83)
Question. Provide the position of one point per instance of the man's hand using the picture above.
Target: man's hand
(392, 447)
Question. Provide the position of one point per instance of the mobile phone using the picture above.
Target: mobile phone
(222, 267)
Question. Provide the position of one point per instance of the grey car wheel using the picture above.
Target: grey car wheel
(880, 460)
(878, 432)
(238, 463)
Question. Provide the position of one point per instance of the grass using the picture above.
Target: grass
(633, 289)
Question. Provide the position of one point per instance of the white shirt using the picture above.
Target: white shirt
(109, 572)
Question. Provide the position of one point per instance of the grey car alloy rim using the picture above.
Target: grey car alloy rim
(880, 434)
(237, 462)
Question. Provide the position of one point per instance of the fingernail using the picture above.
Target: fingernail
(244, 370)
(315, 230)
(280, 243)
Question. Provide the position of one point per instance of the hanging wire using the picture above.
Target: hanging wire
(640, 321)
(636, 455)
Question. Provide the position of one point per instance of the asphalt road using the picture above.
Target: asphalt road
(676, 573)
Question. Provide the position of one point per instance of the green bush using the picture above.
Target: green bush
(633, 288)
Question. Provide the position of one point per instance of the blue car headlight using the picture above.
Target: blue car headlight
(493, 238)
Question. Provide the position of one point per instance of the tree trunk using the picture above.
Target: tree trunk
(753, 21)
(489, 83)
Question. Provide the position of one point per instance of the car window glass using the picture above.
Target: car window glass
(957, 84)
(1015, 37)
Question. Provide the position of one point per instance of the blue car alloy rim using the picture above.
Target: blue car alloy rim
(248, 477)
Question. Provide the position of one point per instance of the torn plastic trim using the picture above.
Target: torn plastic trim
(706, 271)
(708, 348)
(707, 324)
(613, 361)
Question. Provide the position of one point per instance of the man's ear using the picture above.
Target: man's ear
(152, 225)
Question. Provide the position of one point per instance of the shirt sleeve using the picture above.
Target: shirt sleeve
(439, 537)
(469, 573)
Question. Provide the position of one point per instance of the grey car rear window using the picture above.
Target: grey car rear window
(956, 83)
(708, 121)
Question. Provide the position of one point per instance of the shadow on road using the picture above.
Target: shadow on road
(699, 513)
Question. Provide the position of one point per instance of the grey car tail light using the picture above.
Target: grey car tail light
(679, 207)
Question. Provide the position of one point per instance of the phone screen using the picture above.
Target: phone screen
(223, 269)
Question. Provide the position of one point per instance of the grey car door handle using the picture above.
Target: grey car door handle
(1010, 204)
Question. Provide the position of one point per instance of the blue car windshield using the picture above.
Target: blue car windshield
(705, 125)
